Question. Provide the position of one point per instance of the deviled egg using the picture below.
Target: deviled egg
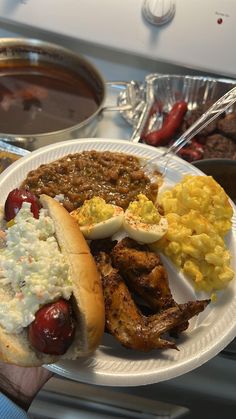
(143, 222)
(97, 219)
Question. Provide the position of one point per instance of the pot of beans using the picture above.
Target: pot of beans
(48, 93)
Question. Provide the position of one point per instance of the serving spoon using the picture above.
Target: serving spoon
(212, 113)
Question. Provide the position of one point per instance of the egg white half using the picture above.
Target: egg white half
(144, 232)
(105, 228)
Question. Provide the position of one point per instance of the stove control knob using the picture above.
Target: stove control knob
(158, 12)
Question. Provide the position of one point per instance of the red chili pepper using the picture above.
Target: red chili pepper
(170, 125)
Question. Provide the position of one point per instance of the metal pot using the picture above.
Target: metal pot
(34, 53)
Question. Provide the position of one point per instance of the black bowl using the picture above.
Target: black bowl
(223, 171)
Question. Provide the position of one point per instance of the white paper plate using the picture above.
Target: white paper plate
(208, 334)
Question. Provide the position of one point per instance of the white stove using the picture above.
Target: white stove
(117, 36)
(196, 34)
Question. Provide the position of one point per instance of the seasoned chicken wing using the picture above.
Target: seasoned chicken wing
(126, 323)
(144, 273)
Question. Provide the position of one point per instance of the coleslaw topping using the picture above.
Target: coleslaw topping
(33, 271)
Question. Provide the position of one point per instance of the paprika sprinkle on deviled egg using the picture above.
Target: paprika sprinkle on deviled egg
(97, 219)
(143, 222)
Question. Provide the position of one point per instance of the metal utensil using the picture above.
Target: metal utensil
(212, 113)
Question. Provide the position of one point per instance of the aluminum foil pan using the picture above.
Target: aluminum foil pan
(167, 90)
(9, 153)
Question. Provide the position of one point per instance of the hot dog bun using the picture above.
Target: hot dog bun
(87, 288)
(88, 302)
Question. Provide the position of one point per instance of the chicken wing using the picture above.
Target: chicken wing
(127, 324)
(144, 273)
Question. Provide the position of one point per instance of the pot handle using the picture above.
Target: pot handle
(117, 87)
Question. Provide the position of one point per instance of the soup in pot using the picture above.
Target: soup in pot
(42, 98)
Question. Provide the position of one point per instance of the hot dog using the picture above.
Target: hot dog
(67, 324)
(170, 125)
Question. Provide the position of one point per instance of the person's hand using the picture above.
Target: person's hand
(22, 384)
